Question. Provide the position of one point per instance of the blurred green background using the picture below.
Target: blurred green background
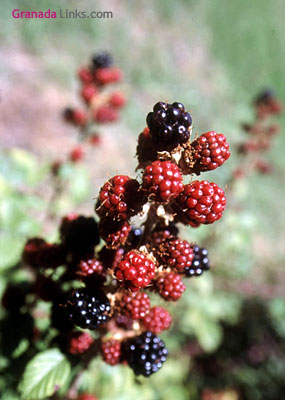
(214, 56)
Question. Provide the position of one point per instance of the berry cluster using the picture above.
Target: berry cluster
(260, 135)
(112, 278)
(102, 103)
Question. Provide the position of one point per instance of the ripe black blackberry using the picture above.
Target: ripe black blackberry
(168, 125)
(102, 60)
(79, 234)
(145, 353)
(134, 237)
(200, 262)
(88, 308)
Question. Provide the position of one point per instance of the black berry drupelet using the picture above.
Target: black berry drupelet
(169, 125)
(88, 308)
(102, 60)
(200, 262)
(145, 353)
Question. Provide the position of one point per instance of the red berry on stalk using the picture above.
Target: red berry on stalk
(111, 351)
(117, 100)
(79, 342)
(115, 233)
(77, 154)
(201, 202)
(85, 75)
(107, 75)
(88, 92)
(170, 286)
(134, 305)
(119, 198)
(162, 181)
(90, 267)
(94, 140)
(157, 320)
(135, 271)
(210, 151)
(105, 114)
(176, 254)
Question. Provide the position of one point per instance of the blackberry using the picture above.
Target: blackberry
(145, 353)
(102, 60)
(170, 286)
(134, 237)
(134, 305)
(88, 308)
(169, 125)
(200, 262)
(79, 234)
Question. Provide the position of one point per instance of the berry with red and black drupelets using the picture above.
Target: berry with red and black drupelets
(87, 308)
(89, 267)
(146, 151)
(75, 116)
(110, 258)
(170, 286)
(201, 202)
(210, 151)
(119, 198)
(31, 252)
(87, 396)
(200, 262)
(157, 320)
(134, 305)
(111, 351)
(162, 233)
(145, 353)
(79, 342)
(169, 125)
(104, 114)
(114, 233)
(79, 234)
(135, 271)
(102, 59)
(175, 253)
(162, 181)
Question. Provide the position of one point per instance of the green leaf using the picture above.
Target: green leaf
(44, 374)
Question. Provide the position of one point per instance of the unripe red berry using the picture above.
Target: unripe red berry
(135, 271)
(117, 100)
(79, 342)
(162, 181)
(111, 351)
(88, 92)
(134, 305)
(85, 75)
(77, 154)
(201, 203)
(210, 151)
(170, 286)
(105, 114)
(107, 75)
(157, 320)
